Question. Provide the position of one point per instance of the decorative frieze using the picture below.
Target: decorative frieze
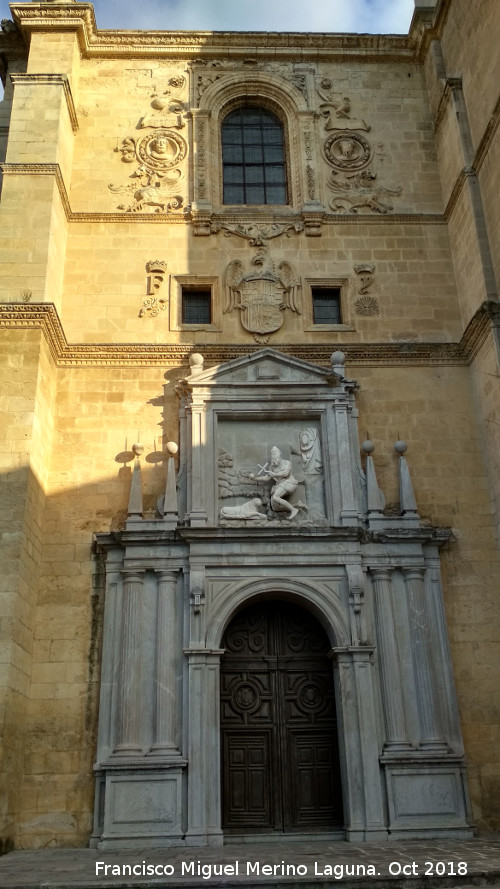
(44, 316)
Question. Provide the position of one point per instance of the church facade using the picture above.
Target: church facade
(250, 388)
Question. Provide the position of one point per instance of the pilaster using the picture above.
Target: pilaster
(204, 802)
(362, 786)
(130, 670)
(431, 736)
(396, 734)
(166, 725)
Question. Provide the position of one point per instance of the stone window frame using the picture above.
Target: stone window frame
(194, 282)
(225, 94)
(265, 104)
(345, 319)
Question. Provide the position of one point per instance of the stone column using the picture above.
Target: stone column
(396, 736)
(130, 673)
(166, 662)
(423, 663)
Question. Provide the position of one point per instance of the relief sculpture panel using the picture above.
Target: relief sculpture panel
(158, 155)
(270, 474)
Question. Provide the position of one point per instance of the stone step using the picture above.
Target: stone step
(415, 864)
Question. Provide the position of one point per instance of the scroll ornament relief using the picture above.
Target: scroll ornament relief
(272, 483)
(158, 155)
(262, 294)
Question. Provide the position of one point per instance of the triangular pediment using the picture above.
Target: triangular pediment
(267, 367)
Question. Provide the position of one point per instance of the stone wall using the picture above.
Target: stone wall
(80, 386)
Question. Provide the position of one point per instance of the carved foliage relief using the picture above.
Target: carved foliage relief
(159, 172)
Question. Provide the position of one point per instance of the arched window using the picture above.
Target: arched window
(253, 157)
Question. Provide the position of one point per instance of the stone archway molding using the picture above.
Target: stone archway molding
(315, 597)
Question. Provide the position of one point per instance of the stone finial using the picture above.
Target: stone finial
(375, 497)
(196, 364)
(170, 507)
(338, 364)
(135, 508)
(407, 502)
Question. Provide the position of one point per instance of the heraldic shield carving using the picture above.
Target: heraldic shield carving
(262, 294)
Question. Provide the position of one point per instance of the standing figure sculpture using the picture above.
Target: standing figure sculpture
(280, 471)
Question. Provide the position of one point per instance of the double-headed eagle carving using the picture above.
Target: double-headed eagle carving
(262, 294)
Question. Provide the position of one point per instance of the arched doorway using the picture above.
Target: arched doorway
(280, 762)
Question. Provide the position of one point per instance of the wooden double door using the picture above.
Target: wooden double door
(280, 762)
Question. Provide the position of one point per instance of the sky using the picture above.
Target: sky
(355, 16)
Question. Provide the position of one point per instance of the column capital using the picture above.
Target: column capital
(131, 574)
(167, 573)
(414, 572)
(381, 572)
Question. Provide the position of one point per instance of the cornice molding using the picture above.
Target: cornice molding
(80, 18)
(44, 317)
(59, 80)
(41, 170)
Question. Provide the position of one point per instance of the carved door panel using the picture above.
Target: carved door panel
(279, 734)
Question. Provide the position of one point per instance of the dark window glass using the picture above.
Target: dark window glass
(258, 175)
(326, 305)
(196, 306)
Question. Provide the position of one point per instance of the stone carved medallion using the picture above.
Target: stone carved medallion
(161, 150)
(347, 151)
(159, 176)
(262, 294)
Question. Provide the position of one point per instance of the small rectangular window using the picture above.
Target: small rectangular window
(196, 306)
(326, 305)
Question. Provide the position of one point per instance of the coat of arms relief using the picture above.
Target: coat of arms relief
(262, 293)
(157, 178)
